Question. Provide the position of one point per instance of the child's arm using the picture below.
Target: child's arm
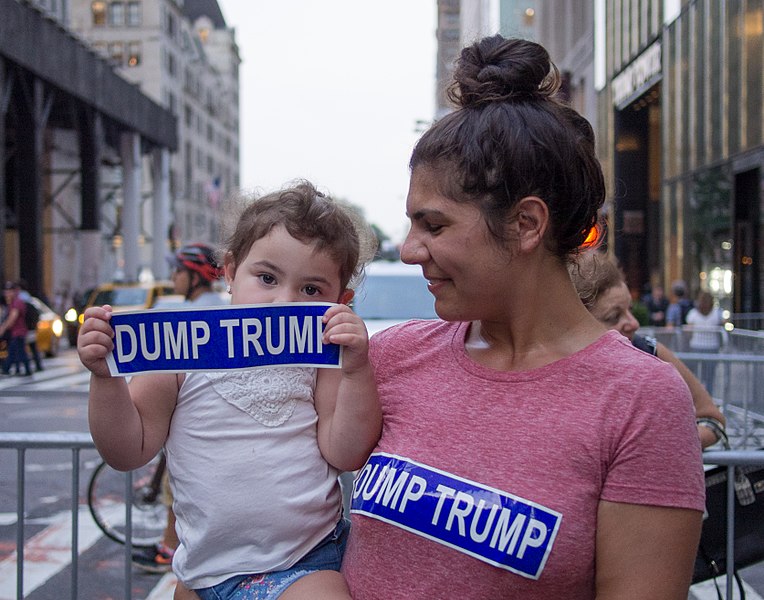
(349, 415)
(129, 424)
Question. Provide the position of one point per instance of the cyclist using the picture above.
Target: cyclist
(195, 271)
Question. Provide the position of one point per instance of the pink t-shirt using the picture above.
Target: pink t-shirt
(485, 484)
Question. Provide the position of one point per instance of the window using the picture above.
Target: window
(101, 49)
(116, 14)
(116, 53)
(133, 14)
(98, 9)
(133, 54)
(170, 26)
(171, 64)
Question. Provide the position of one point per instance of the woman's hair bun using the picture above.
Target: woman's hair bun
(497, 69)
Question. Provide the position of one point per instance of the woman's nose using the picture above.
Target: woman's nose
(630, 322)
(412, 251)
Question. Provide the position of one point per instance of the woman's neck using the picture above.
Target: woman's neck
(548, 323)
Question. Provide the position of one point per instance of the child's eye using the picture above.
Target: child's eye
(267, 278)
(311, 290)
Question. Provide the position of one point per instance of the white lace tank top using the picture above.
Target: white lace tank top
(252, 492)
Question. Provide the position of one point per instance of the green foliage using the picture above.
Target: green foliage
(640, 313)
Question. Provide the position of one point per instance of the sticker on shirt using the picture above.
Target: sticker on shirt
(501, 529)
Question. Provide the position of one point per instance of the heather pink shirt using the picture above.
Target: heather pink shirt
(607, 423)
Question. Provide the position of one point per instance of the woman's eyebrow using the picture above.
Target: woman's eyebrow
(425, 212)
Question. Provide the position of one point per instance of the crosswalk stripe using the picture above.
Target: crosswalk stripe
(51, 549)
(165, 589)
(49, 552)
(63, 378)
(59, 383)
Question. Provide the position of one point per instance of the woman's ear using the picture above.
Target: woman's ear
(531, 223)
(346, 296)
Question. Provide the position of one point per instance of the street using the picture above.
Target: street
(56, 401)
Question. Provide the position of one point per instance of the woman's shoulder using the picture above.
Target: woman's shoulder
(415, 327)
(418, 333)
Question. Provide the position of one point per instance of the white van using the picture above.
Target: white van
(392, 292)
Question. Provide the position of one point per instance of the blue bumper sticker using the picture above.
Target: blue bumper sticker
(221, 338)
(491, 525)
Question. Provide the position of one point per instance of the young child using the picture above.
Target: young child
(254, 455)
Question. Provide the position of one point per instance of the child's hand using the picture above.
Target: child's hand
(95, 340)
(342, 326)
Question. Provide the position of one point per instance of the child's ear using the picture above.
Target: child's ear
(229, 271)
(346, 296)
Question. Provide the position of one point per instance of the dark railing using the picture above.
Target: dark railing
(76, 442)
(732, 459)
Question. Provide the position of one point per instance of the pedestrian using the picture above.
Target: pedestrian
(254, 455)
(657, 304)
(705, 321)
(676, 313)
(195, 271)
(601, 285)
(16, 327)
(31, 339)
(527, 452)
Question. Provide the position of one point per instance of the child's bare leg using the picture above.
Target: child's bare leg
(319, 585)
(183, 593)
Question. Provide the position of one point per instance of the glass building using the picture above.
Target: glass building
(680, 135)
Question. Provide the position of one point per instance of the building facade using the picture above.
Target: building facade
(183, 55)
(673, 89)
(681, 120)
(65, 119)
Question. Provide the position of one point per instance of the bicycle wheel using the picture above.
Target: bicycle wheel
(106, 501)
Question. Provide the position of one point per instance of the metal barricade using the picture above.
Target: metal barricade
(76, 442)
(733, 375)
(732, 459)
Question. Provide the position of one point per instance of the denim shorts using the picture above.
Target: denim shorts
(326, 556)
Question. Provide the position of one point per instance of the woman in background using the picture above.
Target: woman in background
(602, 288)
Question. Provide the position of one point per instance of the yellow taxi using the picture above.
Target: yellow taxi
(122, 297)
(50, 328)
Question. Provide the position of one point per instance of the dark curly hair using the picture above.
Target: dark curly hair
(310, 216)
(511, 137)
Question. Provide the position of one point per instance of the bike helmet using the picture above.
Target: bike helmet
(199, 258)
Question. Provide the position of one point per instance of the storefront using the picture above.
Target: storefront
(684, 152)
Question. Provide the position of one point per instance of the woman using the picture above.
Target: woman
(526, 451)
(705, 322)
(603, 290)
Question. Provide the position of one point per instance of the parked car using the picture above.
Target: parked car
(392, 292)
(121, 296)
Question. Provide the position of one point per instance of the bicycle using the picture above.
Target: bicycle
(106, 501)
